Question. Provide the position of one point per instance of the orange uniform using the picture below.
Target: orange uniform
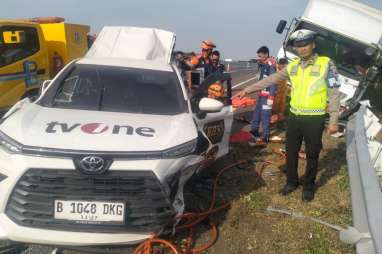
(280, 99)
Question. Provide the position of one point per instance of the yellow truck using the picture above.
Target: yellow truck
(34, 50)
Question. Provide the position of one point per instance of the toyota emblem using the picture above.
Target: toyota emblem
(92, 164)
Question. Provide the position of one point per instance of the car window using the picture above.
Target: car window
(16, 43)
(120, 89)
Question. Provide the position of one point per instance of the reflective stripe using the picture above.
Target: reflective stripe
(267, 107)
(307, 111)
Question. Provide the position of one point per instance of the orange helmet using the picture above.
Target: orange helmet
(194, 60)
(215, 90)
(208, 44)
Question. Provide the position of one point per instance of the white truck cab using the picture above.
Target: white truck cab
(348, 32)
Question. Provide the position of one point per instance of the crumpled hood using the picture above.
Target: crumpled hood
(133, 43)
(38, 126)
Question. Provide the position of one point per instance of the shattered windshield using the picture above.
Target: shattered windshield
(348, 55)
(120, 89)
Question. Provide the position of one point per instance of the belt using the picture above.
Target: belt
(307, 111)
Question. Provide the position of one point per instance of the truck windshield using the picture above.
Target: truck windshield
(120, 89)
(348, 55)
(16, 43)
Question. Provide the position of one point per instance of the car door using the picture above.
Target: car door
(216, 126)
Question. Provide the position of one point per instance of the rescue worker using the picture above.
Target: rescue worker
(263, 110)
(313, 80)
(204, 61)
(216, 90)
(215, 62)
(279, 104)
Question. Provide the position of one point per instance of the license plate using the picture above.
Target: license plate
(89, 211)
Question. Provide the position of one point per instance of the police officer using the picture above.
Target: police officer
(263, 110)
(313, 80)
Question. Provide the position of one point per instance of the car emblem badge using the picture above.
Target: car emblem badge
(91, 164)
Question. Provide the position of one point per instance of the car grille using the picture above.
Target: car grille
(148, 209)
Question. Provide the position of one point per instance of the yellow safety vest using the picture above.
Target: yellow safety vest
(309, 89)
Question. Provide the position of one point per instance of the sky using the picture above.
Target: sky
(238, 27)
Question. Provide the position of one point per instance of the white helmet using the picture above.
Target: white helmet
(302, 37)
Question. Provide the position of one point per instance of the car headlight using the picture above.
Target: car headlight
(180, 150)
(9, 145)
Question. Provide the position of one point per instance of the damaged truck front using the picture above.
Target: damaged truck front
(348, 32)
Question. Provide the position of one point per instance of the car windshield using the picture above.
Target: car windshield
(119, 89)
(348, 55)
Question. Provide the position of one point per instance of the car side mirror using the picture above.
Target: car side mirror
(210, 105)
(44, 86)
(281, 26)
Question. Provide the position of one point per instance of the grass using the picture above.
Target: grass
(255, 201)
(248, 228)
(318, 246)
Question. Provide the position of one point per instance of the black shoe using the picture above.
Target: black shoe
(307, 195)
(288, 189)
(255, 133)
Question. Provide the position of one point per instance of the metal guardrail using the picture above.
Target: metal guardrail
(363, 159)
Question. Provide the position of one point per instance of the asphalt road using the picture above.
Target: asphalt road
(243, 77)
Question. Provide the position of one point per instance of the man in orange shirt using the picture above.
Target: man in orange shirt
(279, 104)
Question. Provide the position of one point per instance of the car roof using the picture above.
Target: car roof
(129, 63)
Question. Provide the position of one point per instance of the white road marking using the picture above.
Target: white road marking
(244, 82)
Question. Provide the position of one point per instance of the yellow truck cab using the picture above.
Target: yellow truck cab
(34, 50)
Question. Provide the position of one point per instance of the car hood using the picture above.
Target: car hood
(37, 126)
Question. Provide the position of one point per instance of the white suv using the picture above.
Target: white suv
(103, 154)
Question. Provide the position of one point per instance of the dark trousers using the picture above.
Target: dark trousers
(309, 129)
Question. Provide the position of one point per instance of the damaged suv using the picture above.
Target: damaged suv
(101, 157)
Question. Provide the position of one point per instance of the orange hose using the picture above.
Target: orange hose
(192, 219)
(146, 246)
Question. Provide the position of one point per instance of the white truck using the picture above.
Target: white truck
(348, 32)
(101, 157)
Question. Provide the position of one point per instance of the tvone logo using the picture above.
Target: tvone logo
(99, 128)
(94, 128)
